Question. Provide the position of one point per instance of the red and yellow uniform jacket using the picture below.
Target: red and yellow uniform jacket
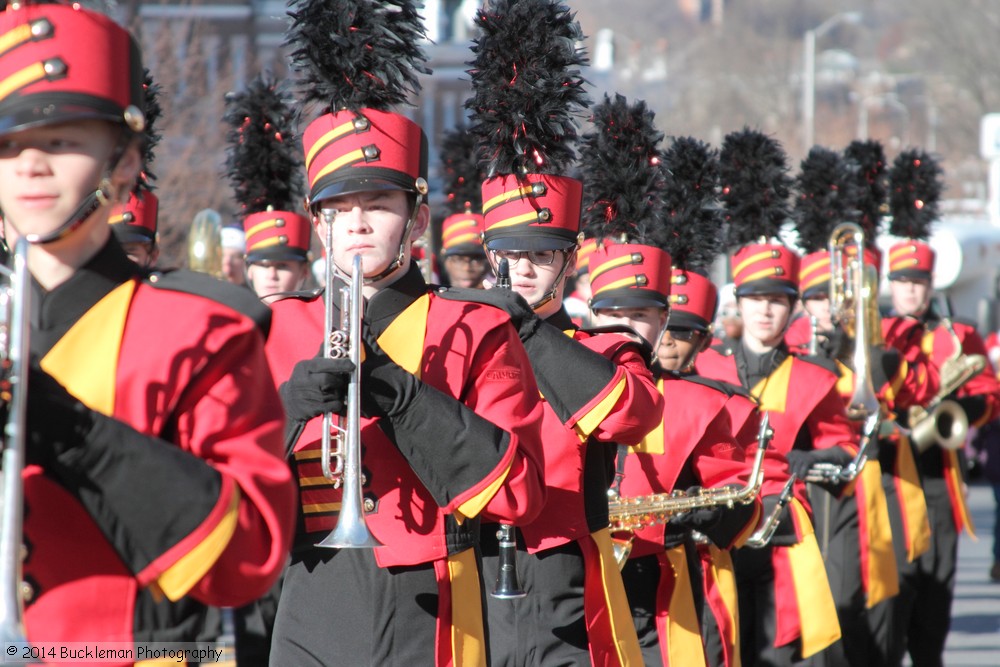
(465, 350)
(183, 495)
(697, 450)
(577, 478)
(805, 412)
(980, 396)
(900, 380)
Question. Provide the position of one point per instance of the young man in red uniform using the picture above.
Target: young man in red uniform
(807, 415)
(437, 375)
(597, 389)
(923, 612)
(154, 483)
(677, 598)
(264, 169)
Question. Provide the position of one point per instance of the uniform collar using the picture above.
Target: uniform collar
(561, 320)
(54, 312)
(392, 300)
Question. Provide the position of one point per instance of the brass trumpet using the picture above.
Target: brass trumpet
(631, 514)
(15, 305)
(351, 531)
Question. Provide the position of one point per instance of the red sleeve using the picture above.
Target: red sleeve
(513, 403)
(985, 384)
(232, 418)
(639, 406)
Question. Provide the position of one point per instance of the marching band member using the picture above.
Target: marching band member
(160, 473)
(855, 529)
(135, 222)
(462, 231)
(265, 172)
(671, 591)
(800, 396)
(597, 390)
(438, 374)
(927, 586)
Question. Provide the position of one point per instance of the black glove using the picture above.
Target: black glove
(835, 344)
(317, 386)
(521, 315)
(801, 460)
(700, 519)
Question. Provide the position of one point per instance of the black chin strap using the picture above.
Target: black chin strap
(90, 203)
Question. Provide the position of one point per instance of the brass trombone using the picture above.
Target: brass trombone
(853, 294)
(351, 531)
(15, 306)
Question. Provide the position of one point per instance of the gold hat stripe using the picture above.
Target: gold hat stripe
(818, 280)
(458, 240)
(630, 281)
(353, 157)
(624, 260)
(14, 38)
(261, 226)
(529, 217)
(763, 273)
(116, 219)
(460, 227)
(904, 250)
(504, 197)
(327, 139)
(274, 240)
(903, 263)
(756, 257)
(22, 78)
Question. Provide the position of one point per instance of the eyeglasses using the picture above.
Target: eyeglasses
(683, 334)
(536, 257)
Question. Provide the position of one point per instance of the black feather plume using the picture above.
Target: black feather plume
(620, 165)
(691, 204)
(824, 196)
(462, 176)
(263, 161)
(753, 171)
(871, 185)
(152, 111)
(914, 190)
(354, 54)
(527, 86)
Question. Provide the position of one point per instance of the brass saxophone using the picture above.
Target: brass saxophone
(943, 422)
(631, 514)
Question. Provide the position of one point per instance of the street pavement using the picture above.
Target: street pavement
(974, 638)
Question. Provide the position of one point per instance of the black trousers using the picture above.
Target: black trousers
(758, 619)
(837, 532)
(338, 607)
(547, 626)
